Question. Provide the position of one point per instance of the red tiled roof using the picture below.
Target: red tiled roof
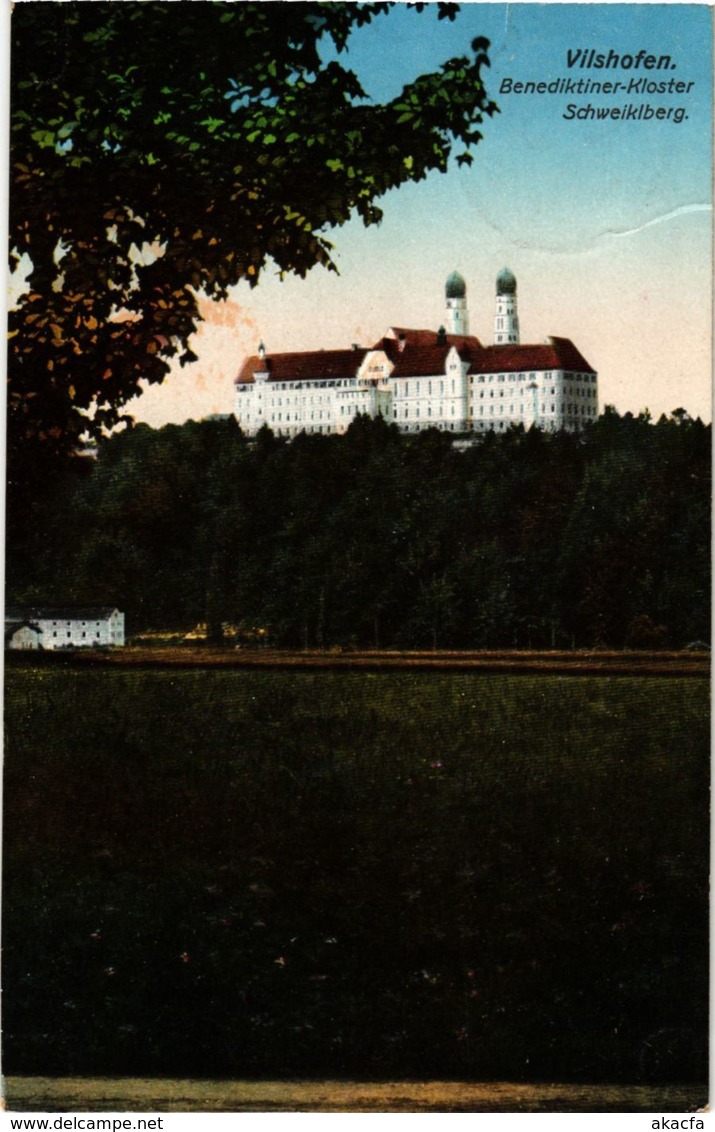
(571, 358)
(313, 365)
(557, 353)
(424, 361)
(421, 355)
(426, 338)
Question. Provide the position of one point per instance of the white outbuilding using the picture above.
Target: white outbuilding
(67, 627)
(22, 635)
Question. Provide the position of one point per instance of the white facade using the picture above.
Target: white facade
(100, 627)
(547, 399)
(433, 399)
(324, 398)
(420, 379)
(22, 635)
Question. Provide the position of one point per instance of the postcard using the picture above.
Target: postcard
(357, 624)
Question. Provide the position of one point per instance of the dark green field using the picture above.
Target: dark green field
(421, 875)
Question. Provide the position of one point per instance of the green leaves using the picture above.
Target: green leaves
(227, 139)
(44, 138)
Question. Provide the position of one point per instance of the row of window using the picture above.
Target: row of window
(351, 382)
(69, 623)
(325, 383)
(420, 413)
(590, 393)
(400, 389)
(403, 388)
(500, 378)
(438, 412)
(69, 633)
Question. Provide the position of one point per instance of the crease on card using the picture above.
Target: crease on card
(591, 242)
(684, 210)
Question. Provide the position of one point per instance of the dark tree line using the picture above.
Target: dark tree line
(376, 539)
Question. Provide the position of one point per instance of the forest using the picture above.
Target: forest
(376, 539)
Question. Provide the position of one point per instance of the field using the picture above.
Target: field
(368, 875)
(130, 1094)
(583, 662)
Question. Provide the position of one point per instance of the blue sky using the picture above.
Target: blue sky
(607, 225)
(645, 172)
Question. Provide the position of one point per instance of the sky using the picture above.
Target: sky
(606, 224)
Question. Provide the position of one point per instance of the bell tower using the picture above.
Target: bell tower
(457, 321)
(506, 319)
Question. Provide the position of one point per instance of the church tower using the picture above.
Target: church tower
(456, 295)
(506, 320)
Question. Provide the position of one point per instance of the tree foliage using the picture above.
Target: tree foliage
(163, 152)
(375, 538)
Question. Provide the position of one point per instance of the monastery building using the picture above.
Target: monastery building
(422, 379)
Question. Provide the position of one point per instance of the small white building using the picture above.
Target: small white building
(74, 628)
(419, 379)
(22, 635)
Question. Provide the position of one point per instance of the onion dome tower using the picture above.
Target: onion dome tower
(455, 290)
(506, 320)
